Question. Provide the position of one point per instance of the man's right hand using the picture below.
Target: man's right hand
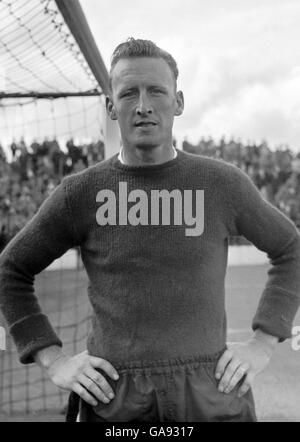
(78, 373)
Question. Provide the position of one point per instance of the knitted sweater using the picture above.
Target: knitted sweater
(154, 243)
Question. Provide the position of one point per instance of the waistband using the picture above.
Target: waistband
(167, 365)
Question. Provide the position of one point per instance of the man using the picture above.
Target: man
(153, 225)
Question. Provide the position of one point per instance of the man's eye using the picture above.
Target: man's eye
(127, 94)
(156, 91)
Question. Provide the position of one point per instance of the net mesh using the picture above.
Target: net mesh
(39, 55)
(52, 119)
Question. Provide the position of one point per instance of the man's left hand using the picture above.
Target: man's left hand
(242, 360)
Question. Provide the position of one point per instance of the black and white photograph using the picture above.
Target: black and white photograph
(149, 213)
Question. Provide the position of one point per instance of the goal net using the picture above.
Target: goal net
(52, 123)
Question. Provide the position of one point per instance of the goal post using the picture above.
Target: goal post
(78, 25)
(53, 122)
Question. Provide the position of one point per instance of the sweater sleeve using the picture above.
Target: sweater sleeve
(48, 235)
(272, 232)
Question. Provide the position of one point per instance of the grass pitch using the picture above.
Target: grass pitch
(63, 296)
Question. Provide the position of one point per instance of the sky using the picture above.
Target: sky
(239, 61)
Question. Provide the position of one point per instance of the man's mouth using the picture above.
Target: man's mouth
(145, 124)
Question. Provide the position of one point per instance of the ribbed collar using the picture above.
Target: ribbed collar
(120, 156)
(116, 163)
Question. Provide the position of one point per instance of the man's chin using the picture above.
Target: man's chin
(146, 144)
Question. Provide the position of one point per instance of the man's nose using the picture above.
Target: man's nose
(144, 106)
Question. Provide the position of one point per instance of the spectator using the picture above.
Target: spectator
(37, 169)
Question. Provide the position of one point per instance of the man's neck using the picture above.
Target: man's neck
(123, 158)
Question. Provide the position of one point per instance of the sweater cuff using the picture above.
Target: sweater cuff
(276, 311)
(31, 334)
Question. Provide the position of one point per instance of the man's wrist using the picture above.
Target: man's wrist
(268, 341)
(47, 356)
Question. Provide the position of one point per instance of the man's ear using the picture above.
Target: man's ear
(179, 103)
(110, 108)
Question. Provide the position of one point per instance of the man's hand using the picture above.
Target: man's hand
(78, 373)
(244, 360)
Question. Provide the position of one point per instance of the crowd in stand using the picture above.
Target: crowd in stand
(35, 170)
(276, 173)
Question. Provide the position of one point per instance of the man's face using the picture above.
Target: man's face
(144, 101)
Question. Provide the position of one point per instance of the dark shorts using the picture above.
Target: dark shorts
(173, 390)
